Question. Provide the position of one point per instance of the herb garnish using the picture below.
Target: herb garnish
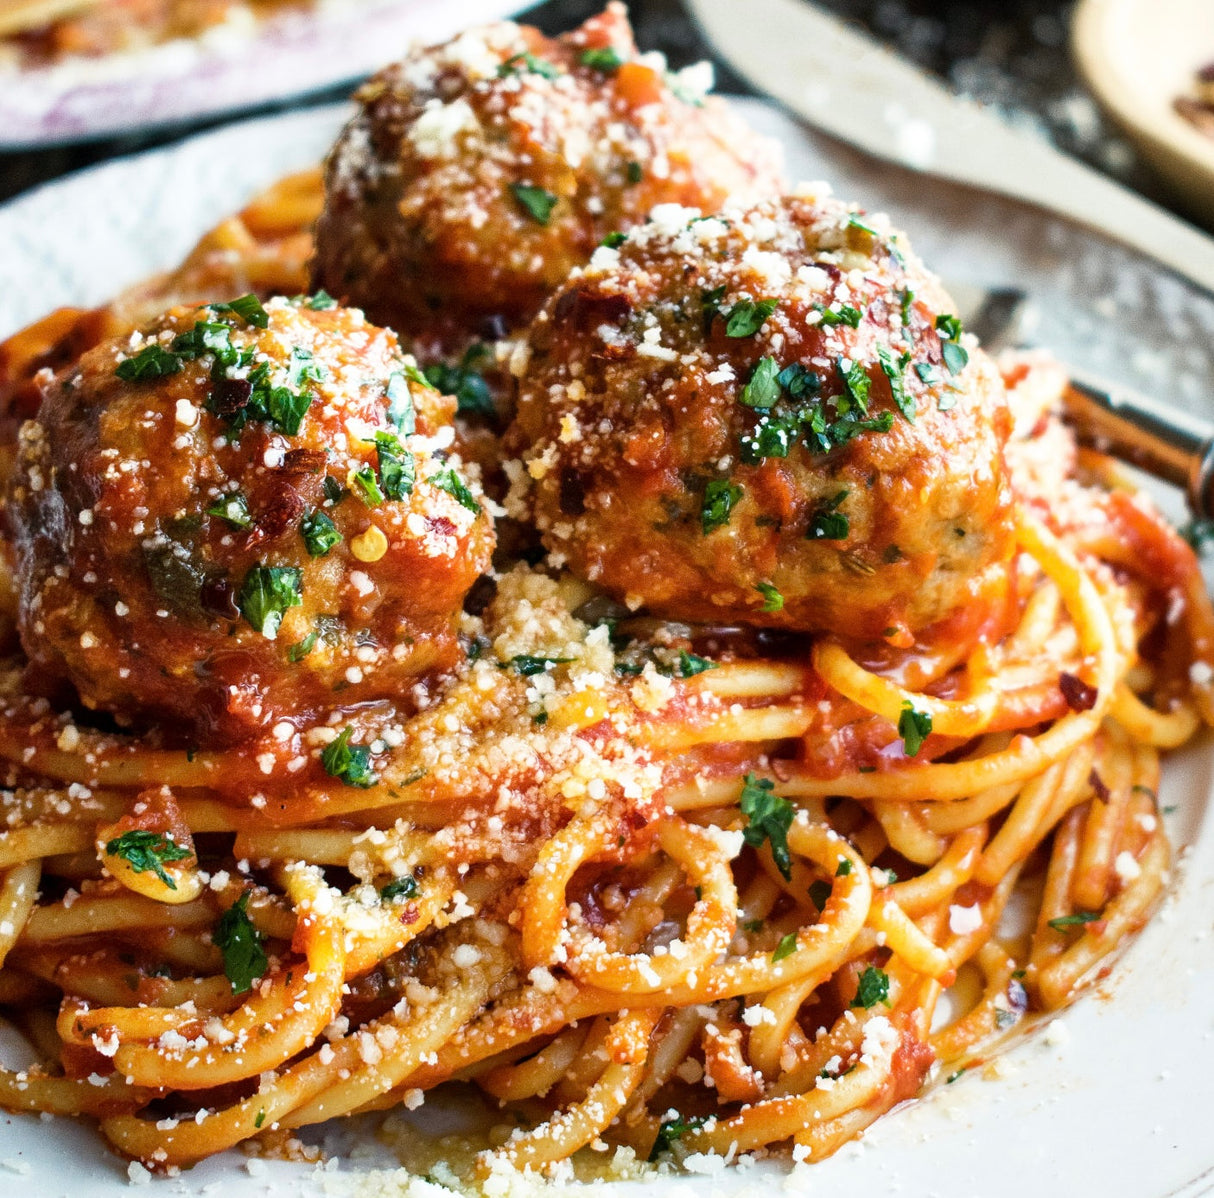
(819, 893)
(873, 988)
(248, 308)
(763, 389)
(768, 817)
(845, 314)
(772, 599)
(746, 317)
(954, 353)
(244, 959)
(528, 664)
(395, 465)
(1071, 921)
(405, 887)
(672, 1130)
(893, 368)
(535, 201)
(464, 382)
(350, 763)
(828, 523)
(151, 362)
(447, 480)
(786, 947)
(914, 727)
(367, 486)
(720, 498)
(322, 301)
(146, 852)
(301, 649)
(602, 58)
(528, 62)
(319, 533)
(234, 508)
(267, 592)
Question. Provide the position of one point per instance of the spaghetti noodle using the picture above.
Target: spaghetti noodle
(678, 887)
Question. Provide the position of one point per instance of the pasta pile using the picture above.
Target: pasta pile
(641, 882)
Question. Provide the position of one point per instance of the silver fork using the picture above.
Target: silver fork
(1173, 445)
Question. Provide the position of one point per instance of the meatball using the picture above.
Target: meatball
(477, 173)
(771, 416)
(242, 514)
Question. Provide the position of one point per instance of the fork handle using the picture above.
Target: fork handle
(1173, 445)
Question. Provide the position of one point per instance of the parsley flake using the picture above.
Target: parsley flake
(786, 947)
(367, 485)
(763, 389)
(529, 63)
(447, 480)
(828, 523)
(844, 314)
(350, 763)
(914, 727)
(244, 959)
(301, 649)
(322, 301)
(319, 533)
(819, 893)
(772, 599)
(720, 498)
(672, 1130)
(602, 58)
(405, 887)
(151, 362)
(248, 308)
(266, 593)
(954, 353)
(395, 465)
(234, 508)
(897, 384)
(746, 317)
(471, 392)
(535, 201)
(1072, 921)
(146, 852)
(768, 818)
(873, 988)
(528, 665)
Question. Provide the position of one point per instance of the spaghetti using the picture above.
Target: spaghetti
(682, 888)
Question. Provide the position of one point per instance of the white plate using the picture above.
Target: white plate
(1118, 1104)
(1138, 57)
(224, 70)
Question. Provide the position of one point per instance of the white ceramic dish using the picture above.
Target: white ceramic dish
(1138, 56)
(1116, 1100)
(223, 71)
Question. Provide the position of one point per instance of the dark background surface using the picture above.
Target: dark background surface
(1008, 53)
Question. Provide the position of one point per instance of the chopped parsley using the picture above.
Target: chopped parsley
(319, 533)
(613, 241)
(772, 599)
(746, 317)
(244, 959)
(471, 392)
(602, 58)
(447, 480)
(322, 301)
(405, 887)
(857, 222)
(303, 368)
(763, 389)
(1199, 533)
(828, 523)
(400, 403)
(528, 665)
(261, 1118)
(301, 649)
(334, 491)
(897, 384)
(873, 988)
(146, 852)
(691, 664)
(529, 63)
(1072, 921)
(914, 727)
(856, 382)
(954, 353)
(786, 947)
(843, 868)
(151, 362)
(535, 201)
(845, 314)
(720, 498)
(266, 593)
(768, 818)
(248, 308)
(395, 465)
(672, 1130)
(633, 173)
(367, 485)
(234, 508)
(819, 893)
(350, 763)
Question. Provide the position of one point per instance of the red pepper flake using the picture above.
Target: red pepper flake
(1079, 695)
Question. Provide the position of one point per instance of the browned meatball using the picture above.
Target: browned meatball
(477, 173)
(768, 417)
(242, 514)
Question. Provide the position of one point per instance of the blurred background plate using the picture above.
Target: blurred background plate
(1139, 57)
(285, 56)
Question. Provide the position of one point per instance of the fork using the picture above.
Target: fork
(1173, 445)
